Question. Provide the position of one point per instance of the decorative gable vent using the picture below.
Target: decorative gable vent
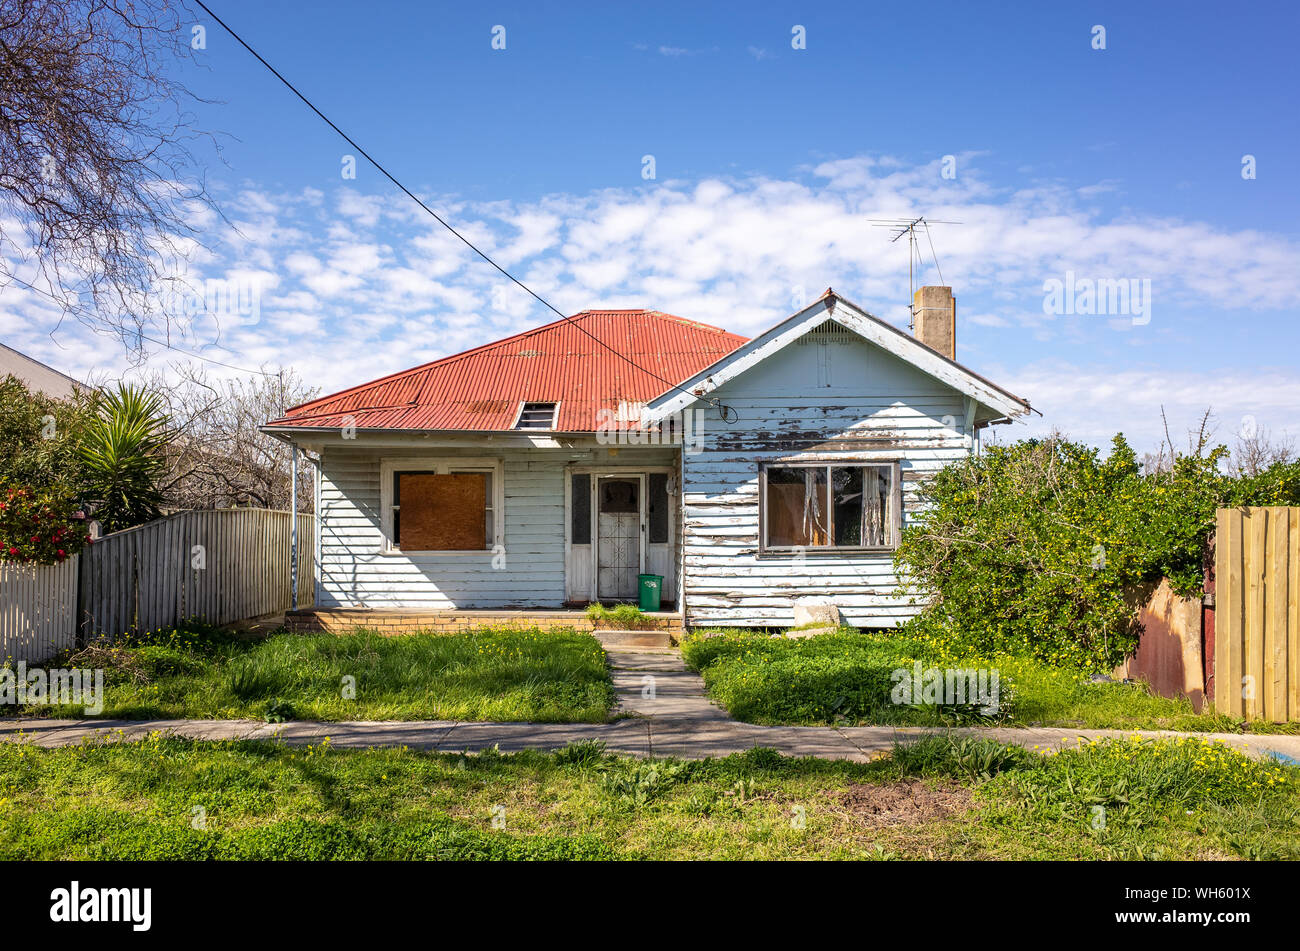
(828, 331)
(536, 416)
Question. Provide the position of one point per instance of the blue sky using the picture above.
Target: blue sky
(1123, 163)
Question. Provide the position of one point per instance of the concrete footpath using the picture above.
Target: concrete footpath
(665, 714)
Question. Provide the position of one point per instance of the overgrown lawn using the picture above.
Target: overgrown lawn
(502, 675)
(939, 798)
(848, 678)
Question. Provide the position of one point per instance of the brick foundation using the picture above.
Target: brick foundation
(344, 621)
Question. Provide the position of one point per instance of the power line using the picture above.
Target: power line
(144, 336)
(717, 404)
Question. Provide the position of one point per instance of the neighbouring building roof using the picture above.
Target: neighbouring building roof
(483, 389)
(36, 375)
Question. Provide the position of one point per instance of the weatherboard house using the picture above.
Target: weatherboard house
(550, 469)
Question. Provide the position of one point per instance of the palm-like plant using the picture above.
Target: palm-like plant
(122, 459)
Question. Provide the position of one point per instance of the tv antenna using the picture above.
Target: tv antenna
(909, 226)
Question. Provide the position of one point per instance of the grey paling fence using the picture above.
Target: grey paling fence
(38, 608)
(222, 566)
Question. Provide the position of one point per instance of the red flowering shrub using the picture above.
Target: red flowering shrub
(39, 526)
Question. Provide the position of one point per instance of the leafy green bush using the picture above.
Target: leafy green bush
(40, 437)
(1044, 548)
(1277, 484)
(1035, 548)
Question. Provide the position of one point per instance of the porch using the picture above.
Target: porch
(488, 528)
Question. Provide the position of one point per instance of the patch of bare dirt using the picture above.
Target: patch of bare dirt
(907, 803)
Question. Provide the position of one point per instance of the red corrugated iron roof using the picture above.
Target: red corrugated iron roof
(482, 389)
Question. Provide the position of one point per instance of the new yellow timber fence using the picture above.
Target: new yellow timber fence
(1257, 613)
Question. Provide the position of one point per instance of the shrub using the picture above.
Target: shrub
(40, 437)
(121, 457)
(1034, 548)
(1046, 549)
(39, 526)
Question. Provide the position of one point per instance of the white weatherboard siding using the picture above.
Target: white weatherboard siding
(355, 573)
(825, 397)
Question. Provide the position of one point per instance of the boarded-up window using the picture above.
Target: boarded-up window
(580, 506)
(657, 507)
(442, 512)
(829, 506)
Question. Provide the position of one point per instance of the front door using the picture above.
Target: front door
(618, 537)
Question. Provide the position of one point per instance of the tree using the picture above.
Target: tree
(94, 151)
(122, 458)
(219, 457)
(1255, 451)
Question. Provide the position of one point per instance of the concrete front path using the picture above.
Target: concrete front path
(666, 714)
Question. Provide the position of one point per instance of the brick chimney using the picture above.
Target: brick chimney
(934, 319)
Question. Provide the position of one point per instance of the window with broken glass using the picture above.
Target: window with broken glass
(829, 506)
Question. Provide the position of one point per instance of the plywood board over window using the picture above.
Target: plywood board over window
(442, 512)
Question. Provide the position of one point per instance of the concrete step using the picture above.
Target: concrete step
(617, 638)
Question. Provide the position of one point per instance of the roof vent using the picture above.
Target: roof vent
(536, 416)
(828, 331)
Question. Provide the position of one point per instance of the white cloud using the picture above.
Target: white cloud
(357, 284)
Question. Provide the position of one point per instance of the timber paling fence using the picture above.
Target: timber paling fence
(38, 610)
(219, 565)
(1257, 613)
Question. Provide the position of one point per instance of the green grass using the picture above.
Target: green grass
(846, 677)
(503, 675)
(622, 615)
(178, 799)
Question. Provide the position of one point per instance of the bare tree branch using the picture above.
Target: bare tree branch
(218, 457)
(97, 187)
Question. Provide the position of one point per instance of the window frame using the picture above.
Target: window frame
(894, 516)
(523, 406)
(439, 465)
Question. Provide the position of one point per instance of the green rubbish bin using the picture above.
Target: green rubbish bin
(651, 587)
